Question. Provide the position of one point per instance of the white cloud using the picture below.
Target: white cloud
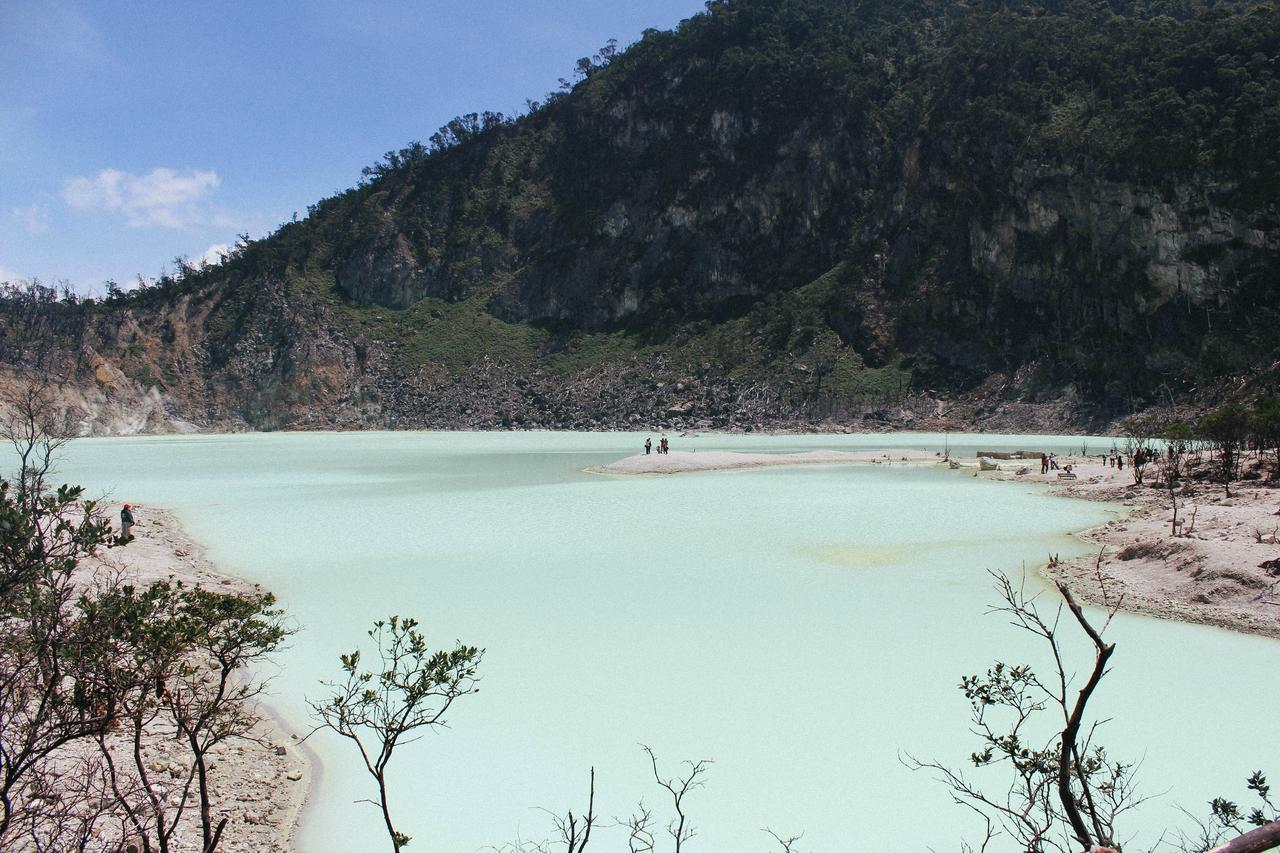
(215, 254)
(34, 218)
(162, 197)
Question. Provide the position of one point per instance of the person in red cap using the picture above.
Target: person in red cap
(126, 521)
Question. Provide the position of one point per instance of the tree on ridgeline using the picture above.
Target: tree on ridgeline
(410, 689)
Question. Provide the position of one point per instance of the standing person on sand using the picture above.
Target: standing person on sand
(1044, 463)
(126, 521)
(648, 446)
(663, 447)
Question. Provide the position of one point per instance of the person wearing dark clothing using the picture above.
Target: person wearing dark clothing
(648, 446)
(1044, 463)
(126, 520)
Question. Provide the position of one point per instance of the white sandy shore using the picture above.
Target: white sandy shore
(1211, 573)
(260, 785)
(679, 462)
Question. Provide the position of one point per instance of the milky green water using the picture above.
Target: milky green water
(802, 627)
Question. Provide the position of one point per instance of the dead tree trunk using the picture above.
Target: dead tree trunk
(1266, 837)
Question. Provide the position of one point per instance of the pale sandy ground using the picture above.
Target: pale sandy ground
(683, 461)
(261, 785)
(1210, 574)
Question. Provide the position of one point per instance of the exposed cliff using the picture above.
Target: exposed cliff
(1029, 215)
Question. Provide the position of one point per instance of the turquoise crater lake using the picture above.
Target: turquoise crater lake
(802, 627)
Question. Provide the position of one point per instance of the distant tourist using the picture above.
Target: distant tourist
(126, 521)
(648, 445)
(1119, 462)
(663, 447)
(1053, 462)
(1044, 463)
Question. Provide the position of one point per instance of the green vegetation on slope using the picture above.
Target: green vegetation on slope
(916, 194)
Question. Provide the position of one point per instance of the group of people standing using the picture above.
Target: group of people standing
(1114, 459)
(663, 447)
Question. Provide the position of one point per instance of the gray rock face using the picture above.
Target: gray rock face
(386, 273)
(1181, 243)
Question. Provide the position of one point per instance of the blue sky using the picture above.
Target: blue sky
(135, 132)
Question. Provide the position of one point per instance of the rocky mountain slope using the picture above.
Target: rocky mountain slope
(1031, 215)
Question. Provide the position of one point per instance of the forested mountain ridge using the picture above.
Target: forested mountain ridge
(1028, 215)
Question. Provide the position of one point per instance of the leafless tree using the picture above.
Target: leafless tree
(1066, 793)
(573, 832)
(788, 844)
(679, 787)
(639, 826)
(79, 811)
(28, 423)
(576, 832)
